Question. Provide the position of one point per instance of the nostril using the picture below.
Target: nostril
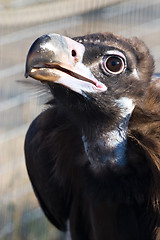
(74, 53)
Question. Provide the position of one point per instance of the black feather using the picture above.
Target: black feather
(71, 154)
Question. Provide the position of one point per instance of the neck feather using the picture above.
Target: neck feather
(109, 145)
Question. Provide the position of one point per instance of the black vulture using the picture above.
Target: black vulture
(93, 156)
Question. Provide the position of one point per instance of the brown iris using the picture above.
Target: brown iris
(114, 64)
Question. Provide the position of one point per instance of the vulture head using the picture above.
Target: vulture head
(98, 79)
(103, 85)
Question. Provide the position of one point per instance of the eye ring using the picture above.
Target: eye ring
(114, 64)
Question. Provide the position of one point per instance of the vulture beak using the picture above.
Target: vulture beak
(59, 59)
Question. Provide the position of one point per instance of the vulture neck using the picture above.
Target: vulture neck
(106, 143)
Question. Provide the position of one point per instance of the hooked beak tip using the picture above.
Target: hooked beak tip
(27, 72)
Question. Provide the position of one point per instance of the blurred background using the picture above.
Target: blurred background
(21, 22)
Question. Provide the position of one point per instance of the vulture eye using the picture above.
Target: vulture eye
(114, 64)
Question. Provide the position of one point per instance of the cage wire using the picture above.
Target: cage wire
(21, 22)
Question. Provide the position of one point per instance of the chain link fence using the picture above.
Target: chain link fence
(21, 22)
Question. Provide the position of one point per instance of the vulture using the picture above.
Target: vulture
(93, 154)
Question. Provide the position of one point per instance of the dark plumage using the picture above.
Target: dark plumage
(93, 156)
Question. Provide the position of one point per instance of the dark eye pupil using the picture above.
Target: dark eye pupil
(114, 64)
